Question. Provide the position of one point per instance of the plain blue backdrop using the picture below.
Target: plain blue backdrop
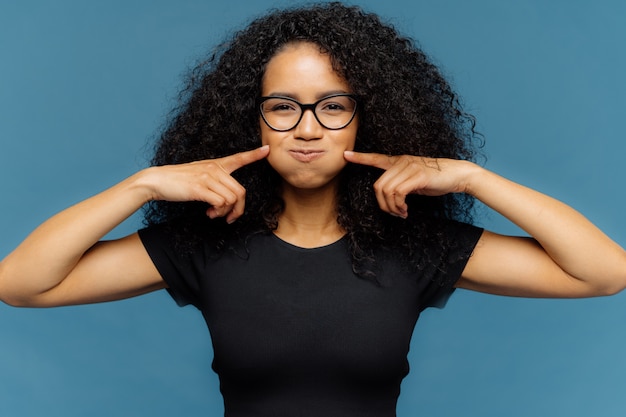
(85, 87)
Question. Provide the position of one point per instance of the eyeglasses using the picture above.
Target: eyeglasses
(332, 112)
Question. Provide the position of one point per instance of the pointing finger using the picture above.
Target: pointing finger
(234, 162)
(372, 159)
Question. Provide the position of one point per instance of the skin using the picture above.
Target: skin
(301, 72)
(567, 256)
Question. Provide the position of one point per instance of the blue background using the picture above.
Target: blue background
(85, 86)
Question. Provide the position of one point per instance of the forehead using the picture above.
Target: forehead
(301, 68)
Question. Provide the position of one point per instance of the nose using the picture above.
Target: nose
(308, 128)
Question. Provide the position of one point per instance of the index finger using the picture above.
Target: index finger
(234, 162)
(372, 159)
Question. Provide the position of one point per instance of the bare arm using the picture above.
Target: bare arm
(566, 257)
(62, 262)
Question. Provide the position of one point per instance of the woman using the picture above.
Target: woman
(311, 199)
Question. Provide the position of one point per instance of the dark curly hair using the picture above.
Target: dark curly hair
(406, 107)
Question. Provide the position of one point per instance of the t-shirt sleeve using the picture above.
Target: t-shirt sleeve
(445, 274)
(180, 271)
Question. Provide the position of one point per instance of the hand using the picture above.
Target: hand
(209, 181)
(407, 174)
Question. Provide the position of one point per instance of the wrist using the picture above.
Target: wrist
(474, 175)
(143, 184)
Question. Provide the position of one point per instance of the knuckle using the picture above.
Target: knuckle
(197, 190)
(219, 201)
(241, 193)
(210, 167)
(204, 177)
(206, 164)
(404, 159)
(389, 189)
(230, 199)
(239, 189)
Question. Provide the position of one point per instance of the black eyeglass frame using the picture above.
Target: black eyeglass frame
(308, 106)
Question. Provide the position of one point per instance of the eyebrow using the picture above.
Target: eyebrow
(317, 97)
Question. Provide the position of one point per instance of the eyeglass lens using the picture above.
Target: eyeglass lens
(283, 113)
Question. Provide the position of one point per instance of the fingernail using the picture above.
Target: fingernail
(403, 215)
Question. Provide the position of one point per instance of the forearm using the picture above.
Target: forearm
(572, 241)
(52, 250)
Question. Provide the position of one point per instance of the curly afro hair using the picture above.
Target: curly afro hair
(405, 107)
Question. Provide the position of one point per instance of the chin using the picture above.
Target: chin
(310, 181)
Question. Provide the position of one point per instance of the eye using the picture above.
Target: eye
(277, 105)
(338, 104)
(333, 107)
(283, 107)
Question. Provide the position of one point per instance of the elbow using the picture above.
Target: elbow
(614, 278)
(14, 300)
(618, 283)
(10, 299)
(3, 296)
(7, 296)
(613, 286)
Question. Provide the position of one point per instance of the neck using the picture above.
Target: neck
(310, 217)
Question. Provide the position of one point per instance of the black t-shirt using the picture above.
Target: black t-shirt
(295, 332)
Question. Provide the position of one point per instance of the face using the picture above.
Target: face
(309, 155)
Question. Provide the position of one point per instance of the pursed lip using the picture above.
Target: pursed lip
(306, 155)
